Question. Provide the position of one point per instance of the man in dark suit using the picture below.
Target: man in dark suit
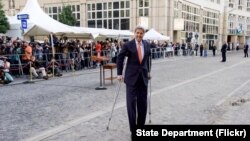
(136, 77)
(223, 52)
(246, 50)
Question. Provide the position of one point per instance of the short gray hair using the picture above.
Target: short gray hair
(140, 27)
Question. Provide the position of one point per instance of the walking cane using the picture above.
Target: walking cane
(150, 90)
(117, 93)
(118, 87)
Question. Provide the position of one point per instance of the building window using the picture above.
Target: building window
(116, 5)
(99, 6)
(89, 15)
(122, 4)
(89, 7)
(231, 24)
(140, 12)
(91, 23)
(60, 9)
(78, 16)
(99, 15)
(176, 9)
(105, 24)
(104, 6)
(46, 10)
(176, 4)
(127, 4)
(248, 26)
(240, 2)
(210, 22)
(110, 5)
(110, 24)
(73, 8)
(127, 13)
(191, 16)
(93, 7)
(55, 17)
(105, 14)
(116, 24)
(99, 23)
(115, 14)
(124, 24)
(122, 13)
(55, 11)
(248, 3)
(143, 8)
(78, 8)
(110, 14)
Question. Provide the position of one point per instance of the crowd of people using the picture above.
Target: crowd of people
(69, 54)
(76, 55)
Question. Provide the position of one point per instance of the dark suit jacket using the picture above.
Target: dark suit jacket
(224, 48)
(134, 68)
(246, 47)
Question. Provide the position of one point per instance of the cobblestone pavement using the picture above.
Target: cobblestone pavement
(185, 90)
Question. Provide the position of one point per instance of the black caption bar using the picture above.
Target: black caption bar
(193, 132)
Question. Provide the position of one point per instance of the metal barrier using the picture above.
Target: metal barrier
(70, 61)
(65, 61)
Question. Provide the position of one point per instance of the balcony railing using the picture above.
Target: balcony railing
(235, 32)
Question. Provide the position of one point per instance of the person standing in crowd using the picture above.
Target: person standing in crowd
(201, 50)
(213, 48)
(98, 49)
(223, 51)
(136, 77)
(196, 49)
(205, 49)
(246, 50)
(27, 52)
(183, 47)
(237, 46)
(113, 52)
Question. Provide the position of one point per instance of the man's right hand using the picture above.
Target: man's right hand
(120, 78)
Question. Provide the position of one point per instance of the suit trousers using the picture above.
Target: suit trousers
(246, 53)
(137, 104)
(223, 56)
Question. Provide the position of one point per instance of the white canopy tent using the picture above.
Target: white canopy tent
(101, 32)
(40, 24)
(152, 34)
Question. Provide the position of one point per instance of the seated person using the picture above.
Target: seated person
(36, 67)
(5, 75)
(57, 71)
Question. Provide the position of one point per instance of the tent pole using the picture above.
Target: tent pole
(53, 55)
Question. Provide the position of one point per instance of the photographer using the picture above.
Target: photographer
(56, 68)
(4, 69)
(36, 67)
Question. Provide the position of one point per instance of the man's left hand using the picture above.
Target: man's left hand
(149, 76)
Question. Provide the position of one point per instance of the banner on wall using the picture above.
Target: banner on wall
(143, 21)
(179, 24)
